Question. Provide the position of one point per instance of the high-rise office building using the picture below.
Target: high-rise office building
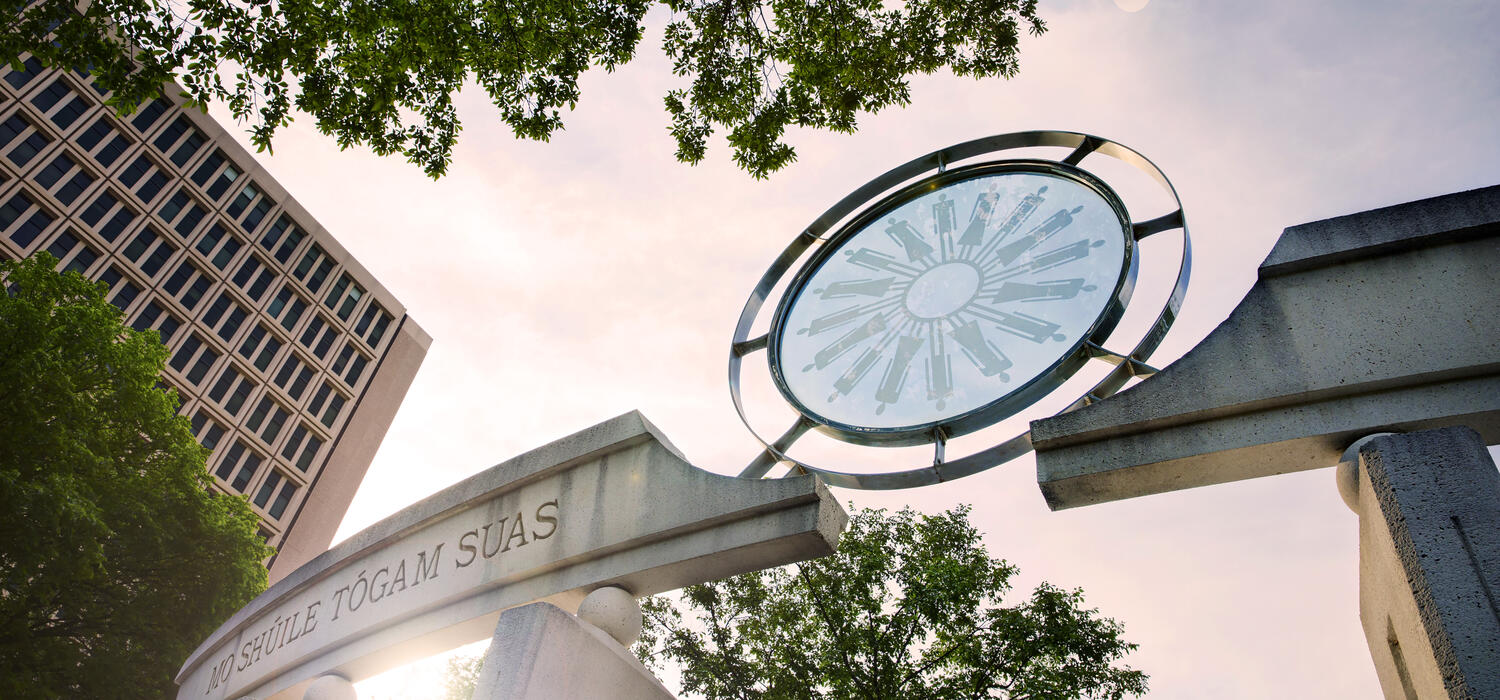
(289, 358)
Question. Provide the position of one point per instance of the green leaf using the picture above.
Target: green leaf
(382, 75)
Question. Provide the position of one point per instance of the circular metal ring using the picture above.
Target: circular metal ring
(1128, 364)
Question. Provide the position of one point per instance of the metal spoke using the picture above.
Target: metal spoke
(776, 451)
(746, 347)
(1165, 222)
(1089, 145)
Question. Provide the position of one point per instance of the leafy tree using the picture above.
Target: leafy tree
(908, 607)
(115, 560)
(383, 73)
(462, 677)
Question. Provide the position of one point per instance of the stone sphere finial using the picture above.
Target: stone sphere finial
(614, 610)
(1347, 472)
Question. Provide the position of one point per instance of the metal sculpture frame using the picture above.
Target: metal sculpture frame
(894, 184)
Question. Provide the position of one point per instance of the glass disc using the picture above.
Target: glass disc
(945, 300)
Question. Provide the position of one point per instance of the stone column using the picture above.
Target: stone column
(330, 687)
(540, 652)
(1429, 549)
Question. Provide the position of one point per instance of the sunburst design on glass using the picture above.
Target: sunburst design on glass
(951, 301)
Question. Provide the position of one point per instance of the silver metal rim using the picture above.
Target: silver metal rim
(1126, 364)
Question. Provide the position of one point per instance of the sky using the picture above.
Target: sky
(568, 282)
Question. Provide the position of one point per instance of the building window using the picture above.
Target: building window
(107, 216)
(231, 390)
(49, 96)
(329, 401)
(249, 208)
(283, 498)
(85, 74)
(188, 284)
(150, 113)
(145, 177)
(188, 354)
(183, 136)
(68, 105)
(288, 244)
(318, 336)
(54, 172)
(153, 316)
(344, 296)
(272, 415)
(288, 306)
(149, 251)
(62, 170)
(262, 345)
(275, 232)
(28, 140)
(216, 174)
(231, 314)
(30, 68)
(350, 364)
(242, 462)
(122, 291)
(372, 324)
(63, 248)
(303, 445)
(314, 268)
(294, 376)
(182, 213)
(22, 220)
(217, 239)
(268, 487)
(102, 141)
(253, 277)
(206, 429)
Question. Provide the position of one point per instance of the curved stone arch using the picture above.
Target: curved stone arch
(615, 504)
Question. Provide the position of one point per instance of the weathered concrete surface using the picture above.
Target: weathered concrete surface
(1429, 560)
(612, 505)
(540, 652)
(1378, 321)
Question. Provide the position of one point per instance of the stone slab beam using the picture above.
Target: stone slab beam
(613, 505)
(1382, 321)
(1429, 563)
(540, 652)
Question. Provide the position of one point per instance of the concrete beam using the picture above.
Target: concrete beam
(613, 505)
(1377, 321)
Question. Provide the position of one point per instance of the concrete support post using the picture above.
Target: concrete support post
(1429, 548)
(540, 652)
(330, 687)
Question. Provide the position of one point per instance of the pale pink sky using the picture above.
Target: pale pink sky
(568, 282)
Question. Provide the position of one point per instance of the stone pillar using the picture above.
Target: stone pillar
(540, 652)
(1429, 549)
(330, 687)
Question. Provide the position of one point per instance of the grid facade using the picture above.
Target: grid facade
(276, 335)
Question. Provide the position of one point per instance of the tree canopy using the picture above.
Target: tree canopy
(383, 72)
(909, 606)
(461, 677)
(115, 559)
